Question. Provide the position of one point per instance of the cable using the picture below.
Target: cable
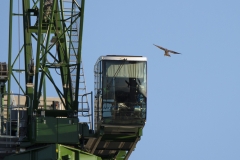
(19, 63)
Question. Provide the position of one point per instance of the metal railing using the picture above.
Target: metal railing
(13, 117)
(82, 109)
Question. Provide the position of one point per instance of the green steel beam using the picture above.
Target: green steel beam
(44, 50)
(68, 153)
(27, 49)
(60, 94)
(59, 37)
(64, 57)
(17, 56)
(18, 83)
(9, 54)
(39, 42)
(48, 51)
(121, 155)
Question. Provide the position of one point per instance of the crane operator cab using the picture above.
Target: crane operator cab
(120, 90)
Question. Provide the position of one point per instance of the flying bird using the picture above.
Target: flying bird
(166, 51)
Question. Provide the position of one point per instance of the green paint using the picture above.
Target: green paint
(53, 151)
(9, 53)
(27, 50)
(55, 130)
(121, 155)
(50, 130)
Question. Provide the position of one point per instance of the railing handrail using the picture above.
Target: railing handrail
(11, 107)
(88, 106)
(17, 94)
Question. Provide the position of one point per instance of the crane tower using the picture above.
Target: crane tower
(46, 59)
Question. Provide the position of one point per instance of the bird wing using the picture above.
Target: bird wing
(159, 47)
(173, 52)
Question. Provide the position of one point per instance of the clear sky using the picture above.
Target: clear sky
(193, 98)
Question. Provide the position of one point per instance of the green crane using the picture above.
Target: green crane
(36, 127)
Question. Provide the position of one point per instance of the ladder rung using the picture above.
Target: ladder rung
(67, 0)
(68, 21)
(76, 75)
(87, 110)
(80, 81)
(72, 41)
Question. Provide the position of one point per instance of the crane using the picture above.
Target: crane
(35, 126)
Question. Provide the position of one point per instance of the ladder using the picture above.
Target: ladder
(70, 9)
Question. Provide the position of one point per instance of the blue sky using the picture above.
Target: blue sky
(193, 98)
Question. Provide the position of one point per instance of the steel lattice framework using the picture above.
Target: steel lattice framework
(52, 29)
(49, 55)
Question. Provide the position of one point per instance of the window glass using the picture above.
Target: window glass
(124, 89)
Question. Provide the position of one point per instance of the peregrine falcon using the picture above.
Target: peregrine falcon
(167, 51)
